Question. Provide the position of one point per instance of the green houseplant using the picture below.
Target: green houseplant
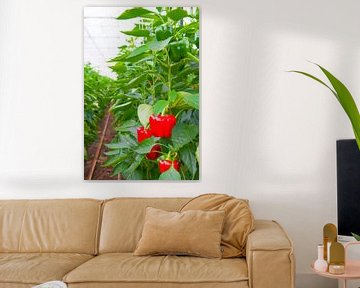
(357, 237)
(344, 97)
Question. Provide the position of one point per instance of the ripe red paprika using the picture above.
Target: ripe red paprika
(162, 125)
(165, 165)
(154, 152)
(142, 134)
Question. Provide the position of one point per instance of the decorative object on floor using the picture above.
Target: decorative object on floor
(194, 232)
(51, 284)
(239, 220)
(329, 237)
(320, 264)
(344, 97)
(142, 122)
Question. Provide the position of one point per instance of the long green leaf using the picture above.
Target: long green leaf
(314, 78)
(346, 100)
(137, 51)
(136, 81)
(344, 97)
(133, 13)
(112, 161)
(137, 33)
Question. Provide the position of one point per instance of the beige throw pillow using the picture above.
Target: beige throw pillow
(194, 232)
(239, 220)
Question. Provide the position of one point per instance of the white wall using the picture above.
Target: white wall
(266, 135)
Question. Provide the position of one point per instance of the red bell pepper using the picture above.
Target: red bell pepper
(154, 152)
(142, 134)
(162, 125)
(165, 165)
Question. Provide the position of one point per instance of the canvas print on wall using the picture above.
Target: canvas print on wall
(141, 93)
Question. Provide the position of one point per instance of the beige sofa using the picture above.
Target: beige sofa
(89, 243)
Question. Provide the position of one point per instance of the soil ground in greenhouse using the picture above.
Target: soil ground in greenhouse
(100, 173)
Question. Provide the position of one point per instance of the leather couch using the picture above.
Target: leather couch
(89, 243)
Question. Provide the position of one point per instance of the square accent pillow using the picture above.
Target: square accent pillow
(238, 223)
(193, 232)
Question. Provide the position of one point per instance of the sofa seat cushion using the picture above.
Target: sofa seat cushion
(127, 268)
(36, 268)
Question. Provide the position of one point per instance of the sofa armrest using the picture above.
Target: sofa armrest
(269, 256)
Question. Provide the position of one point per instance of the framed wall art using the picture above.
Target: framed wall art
(141, 93)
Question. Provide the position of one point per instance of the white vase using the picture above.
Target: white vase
(320, 264)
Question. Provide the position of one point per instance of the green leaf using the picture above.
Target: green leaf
(112, 152)
(137, 33)
(170, 174)
(188, 158)
(127, 141)
(119, 68)
(137, 51)
(145, 146)
(133, 13)
(159, 106)
(192, 26)
(155, 45)
(139, 58)
(347, 102)
(134, 164)
(192, 100)
(115, 160)
(120, 167)
(144, 112)
(186, 100)
(172, 96)
(314, 78)
(127, 125)
(177, 14)
(136, 81)
(356, 236)
(135, 175)
(344, 97)
(115, 107)
(183, 134)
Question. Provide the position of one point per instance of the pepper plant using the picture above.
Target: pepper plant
(98, 92)
(156, 105)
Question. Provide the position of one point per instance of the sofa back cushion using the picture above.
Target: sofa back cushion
(67, 226)
(123, 220)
